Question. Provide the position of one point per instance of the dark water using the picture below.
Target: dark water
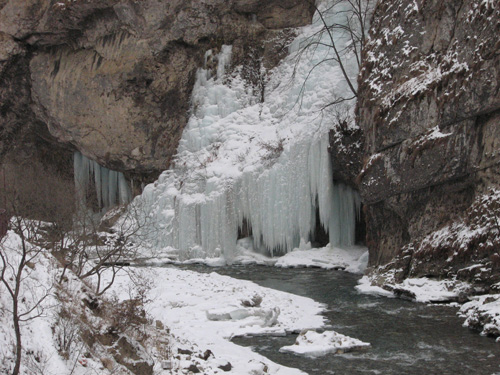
(406, 337)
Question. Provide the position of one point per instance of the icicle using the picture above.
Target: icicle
(124, 192)
(104, 187)
(110, 186)
(199, 205)
(98, 184)
(224, 60)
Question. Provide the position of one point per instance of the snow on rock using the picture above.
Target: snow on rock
(365, 286)
(259, 317)
(207, 310)
(36, 333)
(483, 313)
(313, 344)
(51, 341)
(418, 289)
(352, 259)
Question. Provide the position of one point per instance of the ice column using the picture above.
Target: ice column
(281, 203)
(111, 188)
(214, 188)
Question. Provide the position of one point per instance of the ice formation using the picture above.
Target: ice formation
(314, 344)
(262, 164)
(111, 188)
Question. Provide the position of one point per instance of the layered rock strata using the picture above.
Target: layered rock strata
(113, 78)
(429, 109)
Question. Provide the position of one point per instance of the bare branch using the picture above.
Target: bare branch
(334, 47)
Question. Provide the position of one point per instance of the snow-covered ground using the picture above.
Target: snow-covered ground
(196, 313)
(36, 284)
(44, 334)
(206, 310)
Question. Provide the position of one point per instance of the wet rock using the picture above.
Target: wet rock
(207, 355)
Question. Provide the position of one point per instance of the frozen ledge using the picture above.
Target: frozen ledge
(352, 259)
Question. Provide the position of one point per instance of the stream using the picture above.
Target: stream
(406, 337)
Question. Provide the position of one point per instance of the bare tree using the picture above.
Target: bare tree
(352, 24)
(90, 251)
(16, 265)
(31, 195)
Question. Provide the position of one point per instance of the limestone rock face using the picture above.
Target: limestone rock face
(113, 78)
(429, 108)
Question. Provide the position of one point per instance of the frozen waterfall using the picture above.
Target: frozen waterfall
(244, 162)
(110, 187)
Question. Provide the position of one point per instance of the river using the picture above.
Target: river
(406, 337)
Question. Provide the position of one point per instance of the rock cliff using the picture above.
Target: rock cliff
(429, 109)
(113, 78)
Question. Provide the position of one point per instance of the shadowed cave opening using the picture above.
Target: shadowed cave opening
(319, 237)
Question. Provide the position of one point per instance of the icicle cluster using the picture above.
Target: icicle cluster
(111, 188)
(264, 164)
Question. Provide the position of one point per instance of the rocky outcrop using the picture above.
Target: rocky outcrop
(429, 107)
(113, 78)
(34, 167)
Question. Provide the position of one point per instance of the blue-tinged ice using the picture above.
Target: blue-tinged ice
(111, 187)
(264, 163)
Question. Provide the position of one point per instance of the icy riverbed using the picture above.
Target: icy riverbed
(352, 259)
(406, 337)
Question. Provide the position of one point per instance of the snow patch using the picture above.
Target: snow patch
(313, 344)
(418, 289)
(483, 313)
(207, 309)
(353, 259)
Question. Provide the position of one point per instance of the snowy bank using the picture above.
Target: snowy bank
(418, 289)
(483, 314)
(186, 320)
(206, 310)
(314, 344)
(65, 330)
(36, 333)
(352, 259)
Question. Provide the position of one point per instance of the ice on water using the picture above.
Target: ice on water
(263, 163)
